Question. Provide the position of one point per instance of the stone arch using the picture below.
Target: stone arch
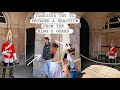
(87, 20)
(7, 19)
(84, 39)
(110, 17)
(87, 17)
(21, 19)
(27, 23)
(28, 16)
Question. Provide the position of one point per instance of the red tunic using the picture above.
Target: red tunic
(9, 48)
(112, 51)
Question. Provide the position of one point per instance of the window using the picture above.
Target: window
(112, 23)
(2, 18)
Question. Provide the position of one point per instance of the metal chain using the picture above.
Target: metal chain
(18, 64)
(98, 61)
(74, 61)
(23, 62)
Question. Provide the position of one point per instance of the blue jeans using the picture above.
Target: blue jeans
(73, 75)
(46, 68)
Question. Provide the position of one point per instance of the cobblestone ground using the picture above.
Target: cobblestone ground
(94, 70)
(90, 69)
(20, 72)
(23, 72)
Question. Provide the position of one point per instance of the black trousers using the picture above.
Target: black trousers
(112, 61)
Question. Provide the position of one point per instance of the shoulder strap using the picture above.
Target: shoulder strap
(111, 48)
(8, 46)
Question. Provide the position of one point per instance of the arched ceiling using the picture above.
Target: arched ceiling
(96, 20)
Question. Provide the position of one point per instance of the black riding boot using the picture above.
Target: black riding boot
(11, 72)
(4, 71)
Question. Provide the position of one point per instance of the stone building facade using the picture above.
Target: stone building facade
(18, 22)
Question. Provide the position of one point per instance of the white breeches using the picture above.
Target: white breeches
(111, 57)
(7, 60)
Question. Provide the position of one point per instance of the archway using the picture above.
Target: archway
(30, 44)
(84, 40)
(29, 40)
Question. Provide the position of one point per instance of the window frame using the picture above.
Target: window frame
(108, 23)
(3, 16)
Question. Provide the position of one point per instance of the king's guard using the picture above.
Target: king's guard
(8, 50)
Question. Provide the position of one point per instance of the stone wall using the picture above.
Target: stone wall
(75, 40)
(21, 45)
(101, 38)
(107, 36)
(2, 40)
(37, 65)
(95, 44)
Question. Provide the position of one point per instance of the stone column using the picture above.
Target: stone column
(15, 39)
(75, 40)
(18, 32)
(21, 45)
(38, 65)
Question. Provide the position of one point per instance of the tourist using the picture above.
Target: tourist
(52, 50)
(72, 68)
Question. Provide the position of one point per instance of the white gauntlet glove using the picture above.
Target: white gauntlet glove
(15, 57)
(115, 55)
(5, 53)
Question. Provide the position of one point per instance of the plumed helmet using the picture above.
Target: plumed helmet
(9, 35)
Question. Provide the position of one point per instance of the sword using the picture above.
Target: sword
(115, 61)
